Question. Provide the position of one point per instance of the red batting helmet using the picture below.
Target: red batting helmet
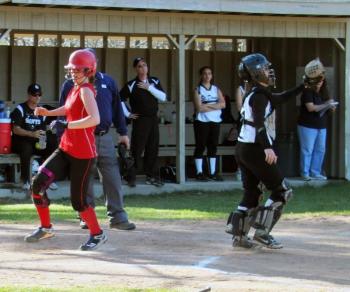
(82, 60)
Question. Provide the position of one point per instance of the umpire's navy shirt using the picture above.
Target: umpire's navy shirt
(108, 102)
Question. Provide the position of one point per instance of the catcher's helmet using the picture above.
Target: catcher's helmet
(83, 60)
(256, 67)
(314, 72)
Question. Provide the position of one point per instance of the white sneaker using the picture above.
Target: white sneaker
(53, 186)
(26, 186)
(319, 177)
(306, 177)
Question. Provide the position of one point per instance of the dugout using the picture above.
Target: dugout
(177, 38)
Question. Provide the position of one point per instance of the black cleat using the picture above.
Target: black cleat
(122, 225)
(201, 177)
(267, 240)
(215, 177)
(242, 241)
(94, 242)
(131, 183)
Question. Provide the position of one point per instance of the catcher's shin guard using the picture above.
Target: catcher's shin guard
(239, 222)
(267, 216)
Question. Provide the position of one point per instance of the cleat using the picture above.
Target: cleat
(94, 242)
(215, 177)
(201, 177)
(83, 224)
(131, 183)
(242, 241)
(39, 234)
(267, 240)
(122, 225)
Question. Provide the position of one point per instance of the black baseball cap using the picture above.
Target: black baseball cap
(34, 89)
(137, 60)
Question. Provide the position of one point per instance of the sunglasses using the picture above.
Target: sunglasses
(36, 95)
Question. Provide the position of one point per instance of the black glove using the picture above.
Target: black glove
(125, 156)
(59, 124)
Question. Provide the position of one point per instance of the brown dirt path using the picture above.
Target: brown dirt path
(184, 255)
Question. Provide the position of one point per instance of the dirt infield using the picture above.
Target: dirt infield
(183, 255)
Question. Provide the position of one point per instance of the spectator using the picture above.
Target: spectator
(208, 103)
(27, 130)
(143, 93)
(312, 132)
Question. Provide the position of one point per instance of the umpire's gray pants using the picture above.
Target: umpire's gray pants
(108, 169)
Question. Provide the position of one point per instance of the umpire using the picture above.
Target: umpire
(110, 109)
(143, 93)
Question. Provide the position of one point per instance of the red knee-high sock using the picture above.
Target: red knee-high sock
(43, 212)
(89, 216)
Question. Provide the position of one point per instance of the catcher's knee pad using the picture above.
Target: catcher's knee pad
(42, 181)
(41, 201)
(239, 222)
(282, 193)
(267, 216)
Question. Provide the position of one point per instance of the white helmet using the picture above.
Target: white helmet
(314, 72)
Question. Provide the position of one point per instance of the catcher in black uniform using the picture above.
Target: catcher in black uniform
(257, 159)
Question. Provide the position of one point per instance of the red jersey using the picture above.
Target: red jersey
(79, 143)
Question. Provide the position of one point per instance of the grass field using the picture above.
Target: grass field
(333, 199)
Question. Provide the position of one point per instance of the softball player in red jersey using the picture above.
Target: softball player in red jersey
(76, 152)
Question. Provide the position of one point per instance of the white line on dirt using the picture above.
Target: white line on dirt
(204, 263)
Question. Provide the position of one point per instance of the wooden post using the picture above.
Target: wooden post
(347, 101)
(180, 111)
(181, 45)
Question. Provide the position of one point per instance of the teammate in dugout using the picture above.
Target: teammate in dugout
(76, 152)
(257, 159)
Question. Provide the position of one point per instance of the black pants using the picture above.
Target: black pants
(59, 164)
(25, 149)
(145, 140)
(254, 168)
(206, 135)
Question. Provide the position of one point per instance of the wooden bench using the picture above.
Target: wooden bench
(167, 141)
(170, 151)
(14, 160)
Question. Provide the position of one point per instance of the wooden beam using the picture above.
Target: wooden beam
(173, 40)
(190, 41)
(347, 101)
(266, 7)
(4, 34)
(339, 44)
